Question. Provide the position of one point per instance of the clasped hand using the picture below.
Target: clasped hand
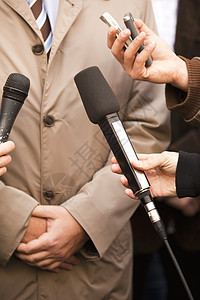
(55, 249)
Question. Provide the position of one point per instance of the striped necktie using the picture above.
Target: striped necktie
(42, 20)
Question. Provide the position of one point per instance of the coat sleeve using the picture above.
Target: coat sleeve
(188, 174)
(101, 207)
(187, 104)
(17, 207)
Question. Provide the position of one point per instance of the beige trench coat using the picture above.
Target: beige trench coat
(65, 163)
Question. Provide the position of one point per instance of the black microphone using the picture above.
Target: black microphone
(102, 108)
(130, 24)
(15, 92)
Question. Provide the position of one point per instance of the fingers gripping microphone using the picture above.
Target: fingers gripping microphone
(15, 92)
(102, 108)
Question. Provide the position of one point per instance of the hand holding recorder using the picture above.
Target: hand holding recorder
(166, 66)
(130, 24)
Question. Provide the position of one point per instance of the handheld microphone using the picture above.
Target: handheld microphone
(15, 92)
(130, 24)
(102, 108)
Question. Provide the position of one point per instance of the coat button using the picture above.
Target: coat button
(48, 195)
(38, 49)
(48, 120)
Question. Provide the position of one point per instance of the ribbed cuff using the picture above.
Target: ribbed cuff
(190, 107)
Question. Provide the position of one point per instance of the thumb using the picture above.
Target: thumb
(142, 26)
(44, 211)
(6, 147)
(151, 162)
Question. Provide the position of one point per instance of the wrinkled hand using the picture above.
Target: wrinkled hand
(5, 159)
(55, 248)
(166, 66)
(160, 170)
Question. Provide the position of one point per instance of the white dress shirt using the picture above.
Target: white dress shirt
(165, 12)
(52, 10)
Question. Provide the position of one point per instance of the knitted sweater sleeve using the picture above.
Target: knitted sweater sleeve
(187, 104)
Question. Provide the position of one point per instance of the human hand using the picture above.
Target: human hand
(160, 170)
(167, 67)
(37, 226)
(55, 248)
(187, 205)
(5, 159)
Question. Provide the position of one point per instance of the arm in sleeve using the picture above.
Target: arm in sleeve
(101, 207)
(188, 174)
(187, 104)
(16, 207)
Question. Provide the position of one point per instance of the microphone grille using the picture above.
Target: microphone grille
(97, 96)
(16, 87)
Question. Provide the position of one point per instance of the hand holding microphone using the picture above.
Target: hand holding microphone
(160, 169)
(102, 108)
(15, 91)
(5, 159)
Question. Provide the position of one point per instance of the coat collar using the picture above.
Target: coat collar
(67, 13)
(21, 7)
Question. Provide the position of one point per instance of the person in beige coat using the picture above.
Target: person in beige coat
(64, 218)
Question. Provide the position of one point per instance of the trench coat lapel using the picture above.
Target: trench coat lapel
(22, 8)
(68, 11)
(71, 10)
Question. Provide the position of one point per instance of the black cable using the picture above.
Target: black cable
(178, 270)
(92, 85)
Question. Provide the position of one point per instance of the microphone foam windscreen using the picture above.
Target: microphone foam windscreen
(97, 96)
(16, 87)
